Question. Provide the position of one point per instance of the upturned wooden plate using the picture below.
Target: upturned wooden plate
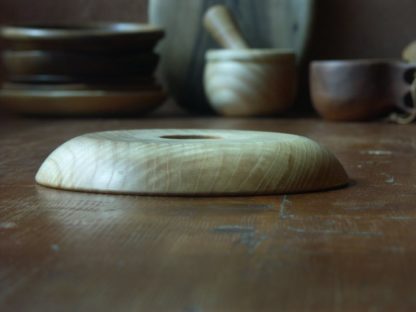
(83, 37)
(265, 24)
(80, 102)
(192, 162)
(37, 62)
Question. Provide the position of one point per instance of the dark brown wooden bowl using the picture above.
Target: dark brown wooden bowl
(353, 90)
(36, 62)
(85, 37)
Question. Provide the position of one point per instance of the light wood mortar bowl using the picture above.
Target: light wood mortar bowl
(250, 82)
(191, 162)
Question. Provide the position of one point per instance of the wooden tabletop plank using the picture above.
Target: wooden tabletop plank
(346, 249)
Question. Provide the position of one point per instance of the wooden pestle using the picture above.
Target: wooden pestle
(222, 26)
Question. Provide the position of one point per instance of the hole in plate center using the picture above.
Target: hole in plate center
(190, 137)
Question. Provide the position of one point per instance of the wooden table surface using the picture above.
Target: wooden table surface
(351, 249)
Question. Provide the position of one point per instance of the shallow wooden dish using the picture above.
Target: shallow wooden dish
(191, 162)
(36, 62)
(81, 102)
(82, 37)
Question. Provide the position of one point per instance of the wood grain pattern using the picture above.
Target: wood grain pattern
(191, 162)
(350, 249)
(266, 24)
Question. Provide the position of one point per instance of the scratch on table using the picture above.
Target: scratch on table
(389, 178)
(55, 247)
(334, 232)
(357, 205)
(248, 236)
(7, 225)
(400, 218)
(233, 228)
(251, 240)
(192, 308)
(395, 249)
(284, 204)
(377, 152)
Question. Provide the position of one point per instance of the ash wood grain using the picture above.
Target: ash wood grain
(284, 24)
(350, 249)
(191, 162)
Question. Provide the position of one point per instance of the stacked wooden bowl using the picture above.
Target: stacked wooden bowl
(97, 69)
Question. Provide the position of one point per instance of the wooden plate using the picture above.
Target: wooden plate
(192, 162)
(36, 62)
(90, 79)
(81, 86)
(265, 24)
(85, 37)
(80, 102)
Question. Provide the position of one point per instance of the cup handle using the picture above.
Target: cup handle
(409, 114)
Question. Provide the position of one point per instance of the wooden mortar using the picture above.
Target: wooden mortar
(240, 81)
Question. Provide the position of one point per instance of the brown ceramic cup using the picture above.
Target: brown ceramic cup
(353, 90)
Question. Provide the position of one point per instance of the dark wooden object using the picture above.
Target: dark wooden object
(350, 249)
(94, 37)
(351, 90)
(38, 62)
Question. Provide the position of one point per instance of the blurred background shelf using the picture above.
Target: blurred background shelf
(342, 29)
